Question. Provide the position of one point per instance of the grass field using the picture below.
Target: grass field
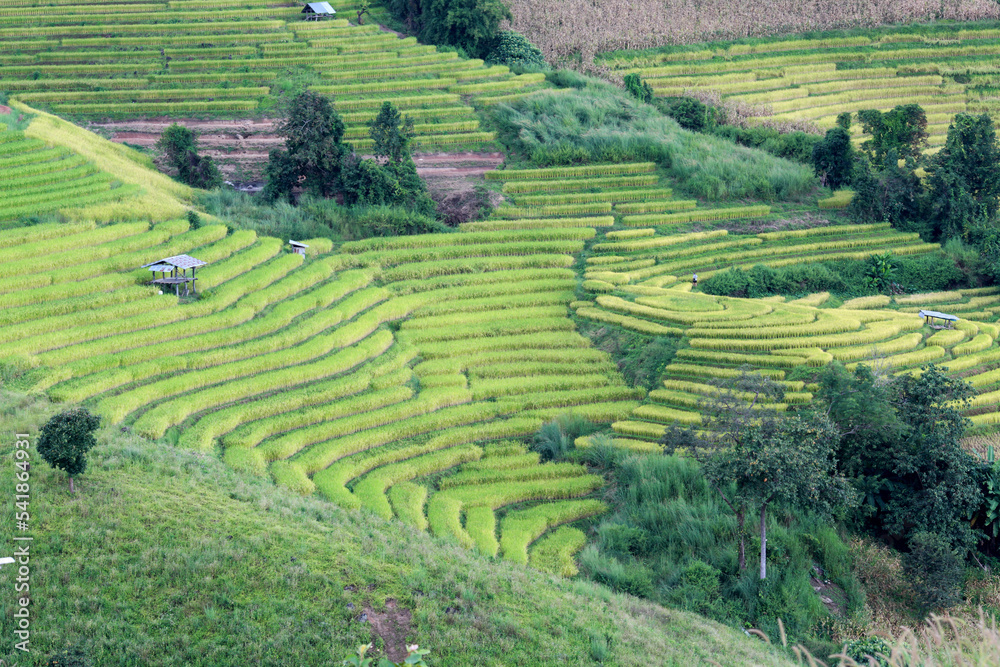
(169, 557)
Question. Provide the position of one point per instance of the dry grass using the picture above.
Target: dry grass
(980, 444)
(572, 29)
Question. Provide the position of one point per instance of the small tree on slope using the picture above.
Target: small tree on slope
(66, 439)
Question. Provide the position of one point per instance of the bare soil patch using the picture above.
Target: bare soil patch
(393, 626)
(4, 109)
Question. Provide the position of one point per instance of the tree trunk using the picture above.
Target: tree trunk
(763, 541)
(72, 489)
(740, 519)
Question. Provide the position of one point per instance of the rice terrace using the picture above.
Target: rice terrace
(493, 332)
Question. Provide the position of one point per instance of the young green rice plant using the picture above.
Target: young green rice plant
(408, 501)
(947, 338)
(625, 321)
(495, 388)
(554, 553)
(570, 172)
(981, 342)
(638, 180)
(914, 358)
(522, 527)
(698, 215)
(643, 430)
(474, 265)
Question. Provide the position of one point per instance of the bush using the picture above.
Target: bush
(796, 146)
(515, 51)
(691, 114)
(833, 158)
(861, 650)
(935, 571)
(641, 90)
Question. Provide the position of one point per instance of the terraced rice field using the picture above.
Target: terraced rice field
(306, 369)
(945, 69)
(402, 375)
(196, 57)
(641, 281)
(39, 179)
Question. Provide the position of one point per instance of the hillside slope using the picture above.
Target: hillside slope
(168, 557)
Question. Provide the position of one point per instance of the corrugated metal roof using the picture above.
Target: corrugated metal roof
(178, 261)
(940, 316)
(296, 244)
(321, 8)
(161, 267)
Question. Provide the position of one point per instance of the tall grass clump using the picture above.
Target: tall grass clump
(600, 123)
(315, 217)
(672, 540)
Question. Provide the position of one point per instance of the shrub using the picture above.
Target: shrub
(833, 158)
(514, 50)
(935, 570)
(691, 114)
(641, 90)
(873, 648)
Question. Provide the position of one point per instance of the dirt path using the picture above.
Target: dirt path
(240, 148)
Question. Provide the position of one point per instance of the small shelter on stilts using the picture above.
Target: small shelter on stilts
(174, 272)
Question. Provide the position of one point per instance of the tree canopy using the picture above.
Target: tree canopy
(65, 440)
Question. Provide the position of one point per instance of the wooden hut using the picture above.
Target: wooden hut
(298, 248)
(931, 315)
(317, 11)
(174, 272)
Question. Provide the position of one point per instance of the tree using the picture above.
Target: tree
(391, 133)
(471, 25)
(755, 457)
(900, 445)
(393, 180)
(363, 8)
(179, 147)
(833, 158)
(963, 180)
(902, 131)
(313, 150)
(891, 194)
(65, 440)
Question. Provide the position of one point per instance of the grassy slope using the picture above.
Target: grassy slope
(170, 558)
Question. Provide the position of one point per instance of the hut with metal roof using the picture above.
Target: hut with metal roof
(317, 11)
(298, 248)
(177, 268)
(931, 315)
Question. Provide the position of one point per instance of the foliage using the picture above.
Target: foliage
(873, 648)
(899, 133)
(892, 194)
(901, 447)
(65, 440)
(640, 358)
(833, 158)
(797, 146)
(673, 540)
(691, 114)
(935, 571)
(315, 217)
(754, 457)
(602, 123)
(515, 51)
(639, 88)
(415, 656)
(471, 25)
(556, 437)
(881, 272)
(844, 120)
(313, 150)
(391, 133)
(179, 147)
(963, 181)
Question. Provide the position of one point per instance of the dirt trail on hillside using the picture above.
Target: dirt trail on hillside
(240, 147)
